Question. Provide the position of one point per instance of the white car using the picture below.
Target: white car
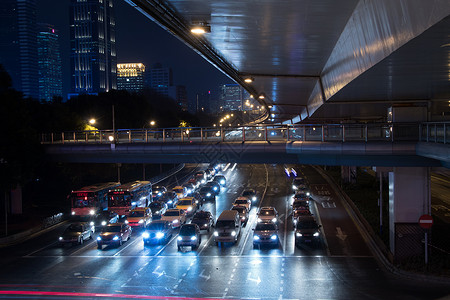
(243, 201)
(177, 217)
(267, 214)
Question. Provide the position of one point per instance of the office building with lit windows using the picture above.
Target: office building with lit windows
(130, 77)
(232, 97)
(93, 46)
(49, 63)
(18, 44)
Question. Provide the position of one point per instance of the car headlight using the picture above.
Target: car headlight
(145, 235)
(233, 233)
(222, 182)
(92, 212)
(141, 221)
(316, 234)
(193, 238)
(208, 195)
(259, 220)
(189, 208)
(203, 181)
(126, 222)
(215, 188)
(274, 220)
(115, 238)
(159, 235)
(256, 238)
(179, 238)
(205, 224)
(175, 221)
(73, 213)
(169, 202)
(243, 218)
(99, 238)
(295, 221)
(216, 233)
(294, 187)
(273, 237)
(157, 212)
(133, 203)
(159, 194)
(307, 194)
(298, 234)
(254, 198)
(103, 223)
(92, 223)
(60, 238)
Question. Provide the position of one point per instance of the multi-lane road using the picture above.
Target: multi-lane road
(341, 267)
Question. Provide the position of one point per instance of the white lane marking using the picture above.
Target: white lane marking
(322, 230)
(285, 224)
(234, 167)
(40, 249)
(83, 247)
(126, 246)
(205, 245)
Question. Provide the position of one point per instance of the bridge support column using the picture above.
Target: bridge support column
(348, 174)
(409, 198)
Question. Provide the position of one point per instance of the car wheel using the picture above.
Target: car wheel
(90, 236)
(99, 247)
(129, 236)
(179, 248)
(120, 242)
(81, 240)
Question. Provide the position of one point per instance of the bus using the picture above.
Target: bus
(90, 200)
(128, 196)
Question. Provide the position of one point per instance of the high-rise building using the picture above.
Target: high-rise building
(232, 97)
(130, 77)
(18, 44)
(49, 62)
(161, 79)
(202, 102)
(93, 43)
(179, 94)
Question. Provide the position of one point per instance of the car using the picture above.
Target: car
(307, 231)
(214, 185)
(139, 217)
(103, 218)
(158, 191)
(158, 232)
(170, 198)
(158, 208)
(77, 233)
(243, 201)
(189, 235)
(187, 204)
(114, 234)
(176, 216)
(181, 191)
(189, 188)
(194, 182)
(265, 233)
(303, 188)
(243, 213)
(267, 214)
(228, 227)
(297, 182)
(212, 171)
(200, 176)
(301, 195)
(250, 193)
(204, 220)
(300, 204)
(207, 193)
(221, 179)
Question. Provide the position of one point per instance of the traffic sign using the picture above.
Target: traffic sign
(426, 221)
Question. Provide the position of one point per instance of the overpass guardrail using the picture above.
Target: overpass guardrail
(437, 132)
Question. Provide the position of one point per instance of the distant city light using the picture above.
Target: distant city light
(152, 123)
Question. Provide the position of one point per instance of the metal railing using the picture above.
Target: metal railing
(430, 132)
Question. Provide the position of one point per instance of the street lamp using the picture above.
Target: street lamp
(152, 123)
(92, 121)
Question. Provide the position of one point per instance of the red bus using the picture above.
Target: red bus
(128, 196)
(90, 200)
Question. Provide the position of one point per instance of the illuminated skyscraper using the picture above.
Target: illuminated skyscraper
(18, 44)
(232, 97)
(50, 73)
(93, 43)
(130, 77)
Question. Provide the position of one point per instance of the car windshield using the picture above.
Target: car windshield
(225, 224)
(307, 225)
(205, 189)
(139, 213)
(74, 228)
(105, 214)
(185, 202)
(172, 213)
(178, 190)
(239, 209)
(265, 226)
(156, 205)
(155, 226)
(241, 202)
(111, 228)
(166, 197)
(298, 181)
(267, 212)
(187, 230)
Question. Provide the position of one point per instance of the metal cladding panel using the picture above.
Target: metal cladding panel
(435, 151)
(375, 30)
(315, 100)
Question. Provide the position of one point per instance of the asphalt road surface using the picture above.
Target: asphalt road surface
(340, 267)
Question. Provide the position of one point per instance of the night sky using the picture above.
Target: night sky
(138, 39)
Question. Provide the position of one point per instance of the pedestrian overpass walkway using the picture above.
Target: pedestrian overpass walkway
(380, 144)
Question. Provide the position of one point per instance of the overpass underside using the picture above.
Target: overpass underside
(302, 152)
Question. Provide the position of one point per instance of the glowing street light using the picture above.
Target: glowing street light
(92, 121)
(152, 123)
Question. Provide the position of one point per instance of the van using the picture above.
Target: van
(228, 227)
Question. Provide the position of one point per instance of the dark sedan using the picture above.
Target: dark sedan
(158, 208)
(207, 193)
(157, 232)
(76, 233)
(203, 219)
(104, 218)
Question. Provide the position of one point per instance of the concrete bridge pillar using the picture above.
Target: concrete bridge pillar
(409, 198)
